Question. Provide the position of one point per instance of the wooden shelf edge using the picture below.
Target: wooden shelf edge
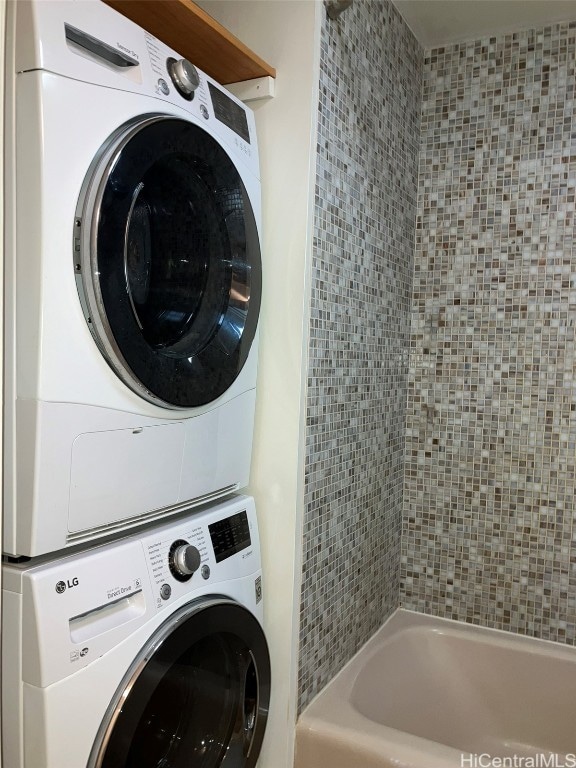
(196, 36)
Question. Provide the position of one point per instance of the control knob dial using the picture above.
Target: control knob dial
(183, 559)
(185, 76)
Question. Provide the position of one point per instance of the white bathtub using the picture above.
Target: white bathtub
(434, 693)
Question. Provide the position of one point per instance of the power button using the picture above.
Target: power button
(165, 591)
(163, 86)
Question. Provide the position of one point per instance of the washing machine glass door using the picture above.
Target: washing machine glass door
(167, 261)
(196, 697)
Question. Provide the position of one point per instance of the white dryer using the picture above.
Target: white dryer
(143, 653)
(133, 279)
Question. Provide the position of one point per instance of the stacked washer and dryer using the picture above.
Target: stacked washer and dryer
(132, 584)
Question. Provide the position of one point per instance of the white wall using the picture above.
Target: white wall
(286, 34)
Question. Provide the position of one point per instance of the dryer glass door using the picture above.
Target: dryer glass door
(168, 261)
(196, 697)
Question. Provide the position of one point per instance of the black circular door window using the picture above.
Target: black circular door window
(168, 261)
(199, 699)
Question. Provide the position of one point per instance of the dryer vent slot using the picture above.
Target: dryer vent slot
(103, 530)
(99, 49)
(105, 617)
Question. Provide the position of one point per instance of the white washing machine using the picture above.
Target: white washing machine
(133, 279)
(143, 653)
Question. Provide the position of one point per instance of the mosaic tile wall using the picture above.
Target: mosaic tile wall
(489, 534)
(366, 191)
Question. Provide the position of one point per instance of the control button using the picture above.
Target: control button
(163, 86)
(165, 591)
(184, 75)
(183, 560)
(204, 111)
(205, 571)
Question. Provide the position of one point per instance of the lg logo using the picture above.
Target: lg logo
(62, 586)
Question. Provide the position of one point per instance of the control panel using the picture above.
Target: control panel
(180, 75)
(199, 552)
(97, 45)
(175, 559)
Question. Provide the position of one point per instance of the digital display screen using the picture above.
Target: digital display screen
(230, 536)
(229, 113)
